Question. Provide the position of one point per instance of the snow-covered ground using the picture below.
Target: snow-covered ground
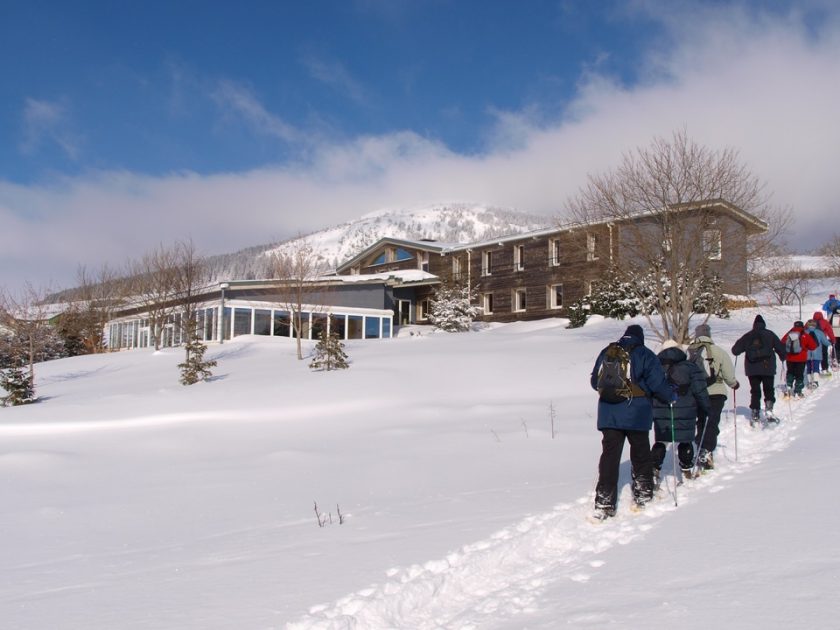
(128, 501)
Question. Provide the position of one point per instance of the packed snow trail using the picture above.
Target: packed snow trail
(493, 580)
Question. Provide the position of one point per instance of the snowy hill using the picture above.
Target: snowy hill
(132, 502)
(447, 223)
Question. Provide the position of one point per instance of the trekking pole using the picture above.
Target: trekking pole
(674, 455)
(735, 410)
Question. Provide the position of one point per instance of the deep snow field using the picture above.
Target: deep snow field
(128, 501)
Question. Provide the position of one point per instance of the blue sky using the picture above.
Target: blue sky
(239, 123)
(156, 87)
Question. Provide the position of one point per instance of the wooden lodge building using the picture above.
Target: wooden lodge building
(532, 275)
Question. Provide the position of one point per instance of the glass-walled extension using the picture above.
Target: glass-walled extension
(215, 322)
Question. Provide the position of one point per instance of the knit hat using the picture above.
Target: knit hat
(703, 330)
(798, 324)
(634, 330)
(669, 343)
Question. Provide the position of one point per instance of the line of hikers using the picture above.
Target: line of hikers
(681, 395)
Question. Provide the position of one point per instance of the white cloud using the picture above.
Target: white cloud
(336, 76)
(46, 122)
(767, 86)
(239, 101)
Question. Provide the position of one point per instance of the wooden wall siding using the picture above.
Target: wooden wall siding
(574, 272)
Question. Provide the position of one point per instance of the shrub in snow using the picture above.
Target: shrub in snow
(19, 387)
(195, 368)
(578, 312)
(329, 353)
(452, 309)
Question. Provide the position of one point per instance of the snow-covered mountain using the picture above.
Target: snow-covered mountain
(449, 223)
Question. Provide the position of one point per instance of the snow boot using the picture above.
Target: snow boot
(754, 417)
(602, 512)
(705, 461)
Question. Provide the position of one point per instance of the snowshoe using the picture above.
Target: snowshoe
(601, 514)
(754, 418)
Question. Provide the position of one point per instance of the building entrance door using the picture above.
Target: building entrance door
(403, 312)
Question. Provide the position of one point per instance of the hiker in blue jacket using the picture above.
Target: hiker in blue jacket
(631, 420)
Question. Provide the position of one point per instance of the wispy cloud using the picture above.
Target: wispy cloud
(240, 101)
(336, 76)
(47, 123)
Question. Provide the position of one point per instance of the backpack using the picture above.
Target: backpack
(614, 384)
(757, 351)
(793, 345)
(699, 354)
(678, 385)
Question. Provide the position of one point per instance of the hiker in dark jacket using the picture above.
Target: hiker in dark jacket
(631, 420)
(760, 347)
(677, 421)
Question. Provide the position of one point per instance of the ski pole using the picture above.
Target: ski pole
(674, 454)
(735, 410)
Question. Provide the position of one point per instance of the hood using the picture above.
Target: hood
(634, 334)
(671, 355)
(818, 316)
(759, 323)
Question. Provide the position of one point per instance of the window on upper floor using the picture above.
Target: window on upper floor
(402, 254)
(712, 247)
(591, 245)
(554, 252)
(486, 263)
(518, 257)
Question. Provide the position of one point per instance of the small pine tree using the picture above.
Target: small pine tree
(195, 368)
(452, 309)
(18, 385)
(329, 353)
(578, 312)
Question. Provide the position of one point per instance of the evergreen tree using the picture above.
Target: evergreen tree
(329, 353)
(19, 387)
(195, 368)
(452, 309)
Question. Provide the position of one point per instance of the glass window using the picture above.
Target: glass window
(386, 328)
(519, 257)
(487, 303)
(591, 245)
(403, 254)
(519, 302)
(423, 309)
(486, 263)
(211, 324)
(554, 252)
(555, 296)
(354, 327)
(304, 325)
(319, 325)
(226, 323)
(262, 322)
(241, 321)
(282, 325)
(381, 259)
(372, 327)
(338, 325)
(712, 244)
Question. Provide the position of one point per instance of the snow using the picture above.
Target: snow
(130, 501)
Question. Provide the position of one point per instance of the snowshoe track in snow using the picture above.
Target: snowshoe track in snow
(498, 578)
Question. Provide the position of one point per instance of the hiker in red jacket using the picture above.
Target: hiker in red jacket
(797, 345)
(825, 326)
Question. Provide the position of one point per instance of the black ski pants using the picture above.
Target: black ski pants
(756, 384)
(612, 444)
(708, 425)
(685, 454)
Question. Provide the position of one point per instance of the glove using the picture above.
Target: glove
(736, 386)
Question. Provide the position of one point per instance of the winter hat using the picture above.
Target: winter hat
(831, 296)
(798, 324)
(759, 322)
(703, 330)
(634, 330)
(669, 343)
(810, 324)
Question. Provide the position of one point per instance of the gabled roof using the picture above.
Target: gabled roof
(428, 246)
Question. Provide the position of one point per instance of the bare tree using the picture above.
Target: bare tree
(153, 281)
(831, 250)
(190, 275)
(298, 270)
(26, 335)
(664, 200)
(91, 305)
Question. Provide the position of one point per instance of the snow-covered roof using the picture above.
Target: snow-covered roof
(404, 276)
